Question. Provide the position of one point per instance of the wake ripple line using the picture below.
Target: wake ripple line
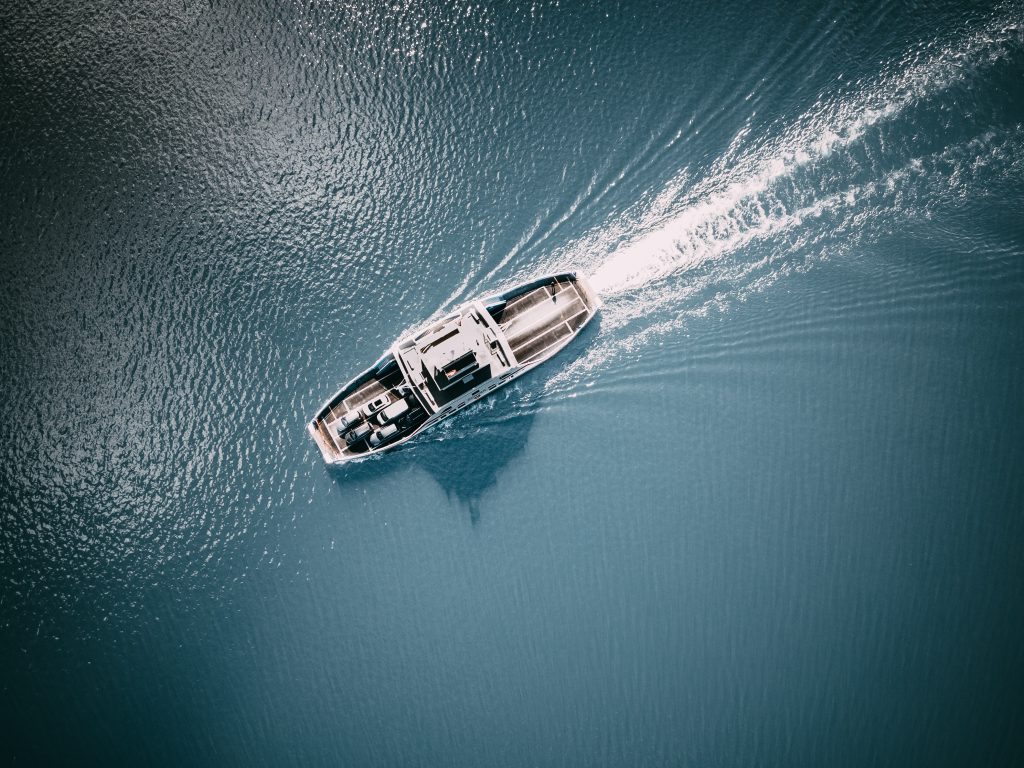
(684, 228)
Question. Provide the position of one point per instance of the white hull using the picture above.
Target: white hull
(440, 368)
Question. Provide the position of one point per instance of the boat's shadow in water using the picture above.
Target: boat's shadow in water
(470, 459)
(467, 466)
(464, 463)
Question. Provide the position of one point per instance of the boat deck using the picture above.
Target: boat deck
(357, 399)
(542, 319)
(364, 394)
(536, 320)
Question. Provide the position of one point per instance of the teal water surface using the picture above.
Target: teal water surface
(769, 510)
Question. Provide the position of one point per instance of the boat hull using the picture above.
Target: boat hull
(525, 326)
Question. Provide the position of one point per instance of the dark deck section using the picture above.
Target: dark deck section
(356, 397)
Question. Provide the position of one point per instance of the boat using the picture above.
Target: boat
(440, 368)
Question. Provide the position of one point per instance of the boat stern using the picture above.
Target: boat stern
(587, 293)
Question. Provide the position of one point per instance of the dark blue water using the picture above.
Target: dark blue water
(769, 511)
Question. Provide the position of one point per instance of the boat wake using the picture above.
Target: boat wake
(858, 165)
(852, 168)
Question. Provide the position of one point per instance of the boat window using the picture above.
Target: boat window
(456, 369)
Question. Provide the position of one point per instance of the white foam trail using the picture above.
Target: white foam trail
(769, 190)
(734, 203)
(855, 215)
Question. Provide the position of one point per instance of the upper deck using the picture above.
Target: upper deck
(454, 356)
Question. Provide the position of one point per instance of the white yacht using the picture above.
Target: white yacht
(445, 365)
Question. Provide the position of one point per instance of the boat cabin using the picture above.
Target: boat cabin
(454, 356)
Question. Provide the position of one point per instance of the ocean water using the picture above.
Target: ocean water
(769, 510)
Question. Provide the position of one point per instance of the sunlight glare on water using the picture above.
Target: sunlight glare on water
(764, 510)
